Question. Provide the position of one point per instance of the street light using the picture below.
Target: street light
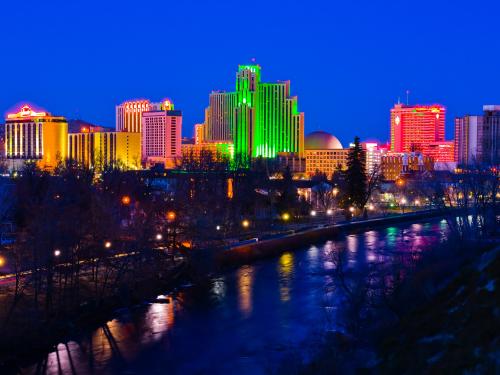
(107, 244)
(217, 227)
(417, 202)
(285, 216)
(125, 200)
(313, 213)
(371, 207)
(351, 209)
(171, 215)
(159, 236)
(403, 200)
(57, 252)
(245, 223)
(2, 261)
(335, 191)
(329, 212)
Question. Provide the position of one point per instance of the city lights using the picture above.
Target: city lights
(351, 209)
(2, 261)
(313, 213)
(245, 223)
(217, 227)
(57, 253)
(125, 200)
(107, 244)
(329, 212)
(171, 215)
(371, 207)
(417, 202)
(159, 237)
(285, 216)
(403, 201)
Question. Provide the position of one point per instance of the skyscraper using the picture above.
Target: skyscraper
(477, 137)
(161, 136)
(415, 126)
(129, 115)
(36, 136)
(261, 119)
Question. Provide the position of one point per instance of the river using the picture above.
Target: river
(249, 320)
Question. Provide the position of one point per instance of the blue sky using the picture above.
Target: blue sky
(348, 61)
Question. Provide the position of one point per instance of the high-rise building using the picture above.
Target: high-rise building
(129, 115)
(261, 119)
(98, 149)
(36, 136)
(219, 116)
(415, 126)
(2, 142)
(477, 138)
(161, 136)
(279, 126)
(491, 134)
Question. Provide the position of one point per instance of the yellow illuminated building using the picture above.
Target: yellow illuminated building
(35, 136)
(324, 153)
(100, 149)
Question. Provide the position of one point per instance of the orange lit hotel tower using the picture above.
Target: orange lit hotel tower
(35, 136)
(414, 127)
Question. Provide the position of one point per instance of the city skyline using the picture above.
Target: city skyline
(352, 67)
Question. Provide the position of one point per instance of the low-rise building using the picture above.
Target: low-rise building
(396, 165)
(98, 149)
(324, 154)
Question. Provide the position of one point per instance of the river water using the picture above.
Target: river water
(250, 320)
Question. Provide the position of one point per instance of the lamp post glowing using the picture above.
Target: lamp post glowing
(57, 253)
(171, 215)
(107, 244)
(217, 227)
(417, 202)
(285, 216)
(402, 203)
(125, 200)
(2, 261)
(313, 213)
(245, 223)
(159, 237)
(329, 212)
(371, 207)
(351, 209)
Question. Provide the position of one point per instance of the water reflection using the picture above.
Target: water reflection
(287, 303)
(159, 318)
(285, 270)
(245, 280)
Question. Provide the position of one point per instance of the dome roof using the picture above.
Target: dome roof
(321, 141)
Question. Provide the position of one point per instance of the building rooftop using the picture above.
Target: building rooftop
(320, 140)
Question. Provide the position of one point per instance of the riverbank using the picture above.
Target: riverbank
(260, 249)
(447, 320)
(25, 338)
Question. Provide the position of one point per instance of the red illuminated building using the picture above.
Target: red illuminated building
(441, 152)
(414, 127)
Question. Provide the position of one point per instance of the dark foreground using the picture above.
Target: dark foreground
(274, 316)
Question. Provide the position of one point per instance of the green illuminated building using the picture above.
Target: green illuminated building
(260, 118)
